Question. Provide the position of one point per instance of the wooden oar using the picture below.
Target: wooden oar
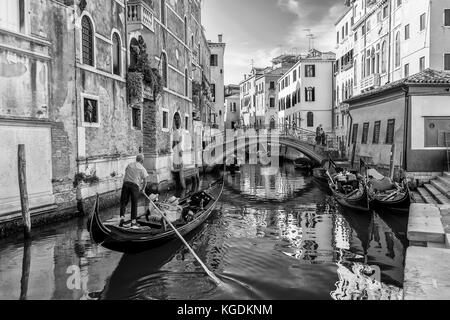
(209, 273)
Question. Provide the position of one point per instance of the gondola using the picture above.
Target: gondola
(350, 193)
(151, 235)
(385, 194)
(304, 164)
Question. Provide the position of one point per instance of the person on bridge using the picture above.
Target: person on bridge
(318, 134)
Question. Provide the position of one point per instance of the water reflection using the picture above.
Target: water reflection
(273, 235)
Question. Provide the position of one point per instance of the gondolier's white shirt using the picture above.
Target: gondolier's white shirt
(135, 173)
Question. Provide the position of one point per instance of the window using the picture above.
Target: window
(422, 64)
(422, 21)
(310, 71)
(87, 39)
(379, 16)
(407, 32)
(10, 15)
(165, 119)
(346, 28)
(163, 68)
(272, 103)
(337, 37)
(447, 61)
(385, 12)
(272, 85)
(310, 119)
(368, 26)
(163, 12)
(390, 131)
(294, 76)
(136, 118)
(310, 94)
(365, 134)
(407, 70)
(399, 3)
(397, 49)
(214, 60)
(90, 111)
(435, 130)
(383, 57)
(356, 35)
(117, 56)
(363, 30)
(447, 17)
(185, 31)
(186, 123)
(337, 121)
(354, 133)
(186, 82)
(376, 132)
(213, 92)
(343, 32)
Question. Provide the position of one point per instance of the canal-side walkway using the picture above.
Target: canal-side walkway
(427, 265)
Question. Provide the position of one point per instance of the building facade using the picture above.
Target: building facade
(63, 91)
(232, 107)
(218, 81)
(305, 93)
(344, 76)
(174, 40)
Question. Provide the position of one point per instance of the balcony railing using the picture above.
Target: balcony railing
(139, 13)
(370, 82)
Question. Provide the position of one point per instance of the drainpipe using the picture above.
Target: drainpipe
(126, 54)
(74, 11)
(406, 137)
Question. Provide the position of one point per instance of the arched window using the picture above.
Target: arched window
(397, 49)
(372, 55)
(117, 54)
(310, 119)
(383, 57)
(87, 39)
(163, 12)
(134, 46)
(186, 82)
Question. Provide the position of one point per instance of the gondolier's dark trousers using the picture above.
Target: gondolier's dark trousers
(129, 190)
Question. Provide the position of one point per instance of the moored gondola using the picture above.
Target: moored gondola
(150, 235)
(385, 194)
(349, 190)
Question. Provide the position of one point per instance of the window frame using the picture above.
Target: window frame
(424, 16)
(85, 96)
(87, 16)
(137, 128)
(116, 33)
(310, 119)
(422, 65)
(446, 55)
(307, 68)
(447, 17)
(390, 139)
(365, 133)
(165, 111)
(376, 134)
(408, 32)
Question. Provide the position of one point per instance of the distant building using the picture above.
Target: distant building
(217, 81)
(233, 111)
(248, 97)
(305, 92)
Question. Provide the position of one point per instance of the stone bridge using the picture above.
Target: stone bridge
(264, 143)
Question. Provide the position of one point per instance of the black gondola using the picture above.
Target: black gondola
(383, 193)
(303, 164)
(351, 194)
(122, 239)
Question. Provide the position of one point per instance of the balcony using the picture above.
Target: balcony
(370, 82)
(141, 14)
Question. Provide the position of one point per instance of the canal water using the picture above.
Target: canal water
(275, 234)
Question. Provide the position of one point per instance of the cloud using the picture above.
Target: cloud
(318, 16)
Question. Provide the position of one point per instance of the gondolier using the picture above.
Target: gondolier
(134, 182)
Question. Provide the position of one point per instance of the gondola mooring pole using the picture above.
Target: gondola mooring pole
(22, 174)
(209, 273)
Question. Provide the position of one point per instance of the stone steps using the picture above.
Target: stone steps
(417, 197)
(436, 194)
(446, 174)
(426, 196)
(443, 185)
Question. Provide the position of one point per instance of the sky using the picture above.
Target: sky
(263, 29)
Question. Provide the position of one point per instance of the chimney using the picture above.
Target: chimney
(220, 38)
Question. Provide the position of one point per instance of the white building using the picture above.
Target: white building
(217, 80)
(344, 75)
(248, 96)
(305, 92)
(397, 38)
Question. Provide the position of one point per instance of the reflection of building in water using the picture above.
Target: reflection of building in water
(356, 282)
(272, 187)
(341, 232)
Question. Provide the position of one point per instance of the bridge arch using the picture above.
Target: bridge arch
(225, 150)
